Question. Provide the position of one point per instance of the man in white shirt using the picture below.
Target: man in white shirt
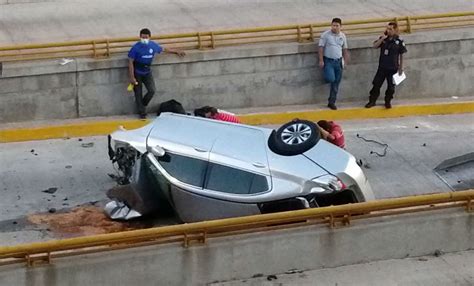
(332, 50)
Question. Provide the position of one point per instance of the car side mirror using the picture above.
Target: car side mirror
(156, 150)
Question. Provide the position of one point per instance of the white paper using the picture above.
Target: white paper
(397, 79)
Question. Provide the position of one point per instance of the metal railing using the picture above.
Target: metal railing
(100, 48)
(334, 216)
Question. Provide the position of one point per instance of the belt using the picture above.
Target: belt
(335, 60)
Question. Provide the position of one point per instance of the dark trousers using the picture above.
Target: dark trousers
(333, 75)
(140, 100)
(382, 75)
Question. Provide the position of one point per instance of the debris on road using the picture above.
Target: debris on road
(87, 145)
(68, 167)
(50, 190)
(120, 211)
(272, 277)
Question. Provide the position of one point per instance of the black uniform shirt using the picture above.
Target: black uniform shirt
(390, 49)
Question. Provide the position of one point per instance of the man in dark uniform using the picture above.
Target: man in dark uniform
(392, 49)
(140, 58)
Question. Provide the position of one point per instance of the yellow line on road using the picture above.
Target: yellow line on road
(67, 131)
(360, 113)
(94, 128)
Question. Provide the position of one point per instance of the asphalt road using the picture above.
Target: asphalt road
(40, 175)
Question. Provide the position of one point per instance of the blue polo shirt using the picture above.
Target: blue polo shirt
(142, 56)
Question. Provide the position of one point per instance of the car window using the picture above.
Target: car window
(185, 169)
(230, 180)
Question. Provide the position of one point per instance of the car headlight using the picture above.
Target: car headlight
(330, 182)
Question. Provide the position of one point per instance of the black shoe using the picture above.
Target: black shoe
(142, 116)
(332, 106)
(388, 105)
(370, 104)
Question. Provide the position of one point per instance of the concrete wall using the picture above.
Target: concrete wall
(244, 256)
(438, 64)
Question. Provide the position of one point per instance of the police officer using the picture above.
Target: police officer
(392, 49)
(140, 58)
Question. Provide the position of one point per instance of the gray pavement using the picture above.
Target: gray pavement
(26, 21)
(449, 269)
(80, 173)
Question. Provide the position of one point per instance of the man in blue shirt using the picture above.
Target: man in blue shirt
(140, 58)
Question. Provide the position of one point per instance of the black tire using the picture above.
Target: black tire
(294, 138)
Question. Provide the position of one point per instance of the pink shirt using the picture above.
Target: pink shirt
(226, 117)
(336, 131)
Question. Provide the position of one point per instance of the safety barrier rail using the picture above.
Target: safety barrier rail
(335, 216)
(100, 48)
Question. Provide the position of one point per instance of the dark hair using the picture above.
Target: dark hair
(336, 20)
(394, 25)
(145, 31)
(324, 124)
(172, 106)
(205, 109)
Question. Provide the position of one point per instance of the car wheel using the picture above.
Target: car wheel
(293, 138)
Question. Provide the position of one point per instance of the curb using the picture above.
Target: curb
(105, 127)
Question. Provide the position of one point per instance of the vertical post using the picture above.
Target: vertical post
(311, 33)
(107, 46)
(408, 24)
(94, 49)
(213, 43)
(298, 29)
(199, 41)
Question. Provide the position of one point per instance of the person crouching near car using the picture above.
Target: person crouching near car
(332, 132)
(214, 113)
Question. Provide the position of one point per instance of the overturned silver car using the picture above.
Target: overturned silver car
(203, 169)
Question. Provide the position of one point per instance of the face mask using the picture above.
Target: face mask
(145, 41)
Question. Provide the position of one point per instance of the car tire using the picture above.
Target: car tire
(294, 138)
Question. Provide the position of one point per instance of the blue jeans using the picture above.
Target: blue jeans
(333, 75)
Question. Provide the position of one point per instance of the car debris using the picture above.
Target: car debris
(204, 169)
(87, 145)
(120, 211)
(50, 190)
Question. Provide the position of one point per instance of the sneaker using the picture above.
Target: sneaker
(332, 106)
(370, 104)
(388, 105)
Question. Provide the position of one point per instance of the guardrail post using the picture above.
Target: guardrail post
(107, 48)
(408, 25)
(94, 48)
(311, 33)
(199, 41)
(298, 29)
(213, 43)
(470, 205)
(186, 241)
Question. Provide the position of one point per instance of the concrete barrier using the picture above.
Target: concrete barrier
(244, 256)
(438, 64)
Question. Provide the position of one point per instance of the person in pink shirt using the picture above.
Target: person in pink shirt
(214, 113)
(332, 132)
